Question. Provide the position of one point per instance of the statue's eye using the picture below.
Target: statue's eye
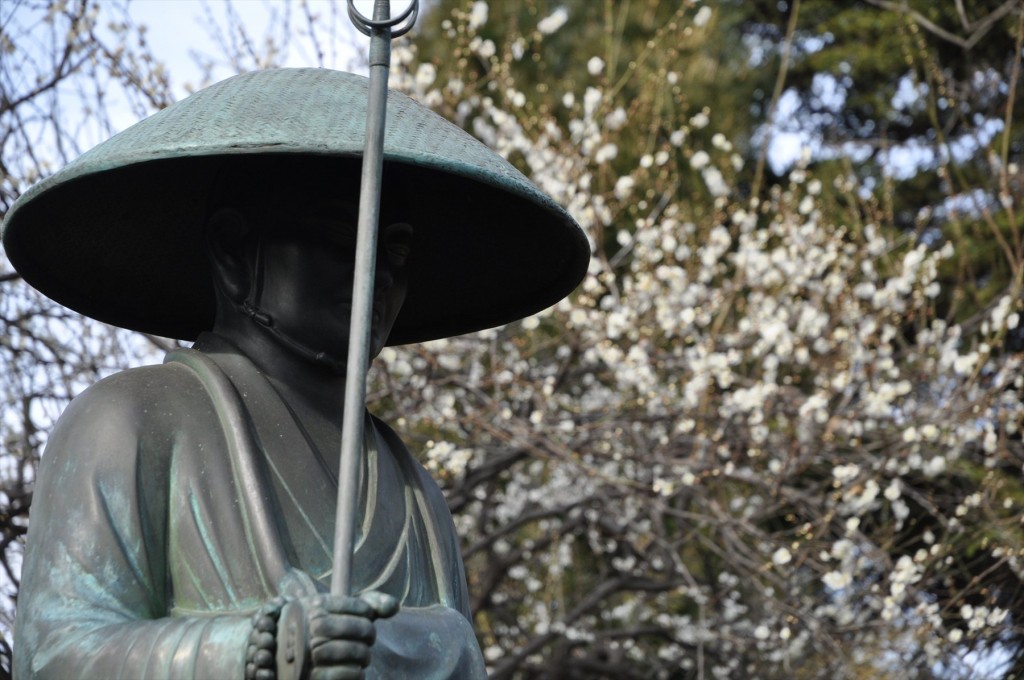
(344, 234)
(331, 223)
(397, 242)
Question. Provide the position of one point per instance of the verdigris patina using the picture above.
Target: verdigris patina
(183, 516)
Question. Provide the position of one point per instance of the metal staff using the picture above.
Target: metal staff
(381, 30)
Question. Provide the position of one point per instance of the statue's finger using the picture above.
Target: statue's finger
(337, 673)
(344, 604)
(383, 605)
(341, 652)
(264, 658)
(341, 627)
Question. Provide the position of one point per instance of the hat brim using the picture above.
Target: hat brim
(118, 235)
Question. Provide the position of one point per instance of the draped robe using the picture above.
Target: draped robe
(174, 500)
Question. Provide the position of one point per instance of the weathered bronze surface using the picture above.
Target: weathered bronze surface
(183, 513)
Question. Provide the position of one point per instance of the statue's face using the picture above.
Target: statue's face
(308, 277)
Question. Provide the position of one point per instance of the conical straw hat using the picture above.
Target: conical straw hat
(117, 233)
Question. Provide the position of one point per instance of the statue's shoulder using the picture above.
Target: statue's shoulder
(136, 391)
(127, 431)
(394, 442)
(408, 461)
(131, 408)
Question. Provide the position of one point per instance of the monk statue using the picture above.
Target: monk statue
(183, 517)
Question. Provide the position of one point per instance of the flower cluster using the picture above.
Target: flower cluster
(748, 436)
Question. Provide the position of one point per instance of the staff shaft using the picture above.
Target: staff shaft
(354, 417)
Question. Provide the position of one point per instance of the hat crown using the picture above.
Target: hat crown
(296, 110)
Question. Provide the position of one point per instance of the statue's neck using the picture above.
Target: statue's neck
(314, 391)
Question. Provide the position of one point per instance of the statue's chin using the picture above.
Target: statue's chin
(334, 361)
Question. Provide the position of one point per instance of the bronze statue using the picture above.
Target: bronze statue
(183, 516)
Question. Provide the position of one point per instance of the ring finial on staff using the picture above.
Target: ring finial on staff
(399, 25)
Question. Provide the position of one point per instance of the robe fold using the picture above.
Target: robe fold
(174, 500)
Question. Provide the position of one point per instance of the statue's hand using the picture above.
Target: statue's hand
(334, 632)
(341, 633)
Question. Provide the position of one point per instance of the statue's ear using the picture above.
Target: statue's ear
(229, 237)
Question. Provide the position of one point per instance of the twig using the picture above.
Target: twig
(982, 27)
(780, 81)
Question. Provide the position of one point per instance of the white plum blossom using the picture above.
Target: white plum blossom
(837, 580)
(699, 160)
(591, 99)
(606, 153)
(700, 120)
(445, 456)
(624, 187)
(478, 15)
(714, 180)
(664, 487)
(892, 492)
(719, 141)
(553, 21)
(616, 119)
(426, 74)
(701, 18)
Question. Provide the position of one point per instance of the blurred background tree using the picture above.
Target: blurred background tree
(775, 431)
